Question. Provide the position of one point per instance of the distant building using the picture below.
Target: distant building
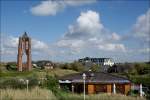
(45, 64)
(49, 65)
(105, 63)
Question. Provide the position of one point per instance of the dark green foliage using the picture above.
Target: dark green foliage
(11, 66)
(65, 66)
(51, 83)
(12, 83)
(145, 80)
(133, 93)
(33, 82)
(142, 68)
(95, 68)
(131, 68)
(76, 66)
(17, 83)
(148, 96)
(65, 88)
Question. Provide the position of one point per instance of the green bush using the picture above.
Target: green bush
(51, 83)
(11, 83)
(17, 83)
(142, 68)
(95, 68)
(33, 82)
(76, 66)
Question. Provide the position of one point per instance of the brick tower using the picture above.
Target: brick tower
(24, 47)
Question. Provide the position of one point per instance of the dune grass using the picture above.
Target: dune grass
(37, 73)
(102, 96)
(44, 94)
(33, 94)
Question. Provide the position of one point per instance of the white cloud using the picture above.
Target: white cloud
(52, 7)
(87, 24)
(73, 45)
(7, 51)
(141, 28)
(88, 33)
(144, 50)
(47, 8)
(115, 36)
(39, 45)
(112, 47)
(11, 42)
(78, 2)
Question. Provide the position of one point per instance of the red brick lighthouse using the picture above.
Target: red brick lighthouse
(24, 47)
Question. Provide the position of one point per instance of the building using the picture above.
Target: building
(104, 63)
(49, 65)
(24, 47)
(95, 82)
(44, 64)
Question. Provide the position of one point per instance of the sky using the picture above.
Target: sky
(66, 30)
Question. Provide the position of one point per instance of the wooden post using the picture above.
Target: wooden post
(141, 90)
(72, 88)
(114, 88)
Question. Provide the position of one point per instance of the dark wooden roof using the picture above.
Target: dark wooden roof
(95, 77)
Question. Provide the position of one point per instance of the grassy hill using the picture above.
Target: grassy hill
(44, 94)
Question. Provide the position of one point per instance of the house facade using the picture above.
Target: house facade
(95, 82)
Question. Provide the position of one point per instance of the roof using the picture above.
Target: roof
(25, 36)
(94, 77)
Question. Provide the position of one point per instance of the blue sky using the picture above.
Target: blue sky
(66, 30)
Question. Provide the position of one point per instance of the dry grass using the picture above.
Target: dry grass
(44, 94)
(102, 96)
(57, 71)
(34, 94)
(113, 97)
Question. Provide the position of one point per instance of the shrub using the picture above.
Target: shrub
(33, 82)
(95, 68)
(51, 83)
(17, 83)
(76, 66)
(11, 83)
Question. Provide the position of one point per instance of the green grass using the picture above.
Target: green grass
(102, 96)
(37, 72)
(14, 74)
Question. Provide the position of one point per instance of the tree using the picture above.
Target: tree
(65, 66)
(142, 68)
(95, 68)
(77, 66)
